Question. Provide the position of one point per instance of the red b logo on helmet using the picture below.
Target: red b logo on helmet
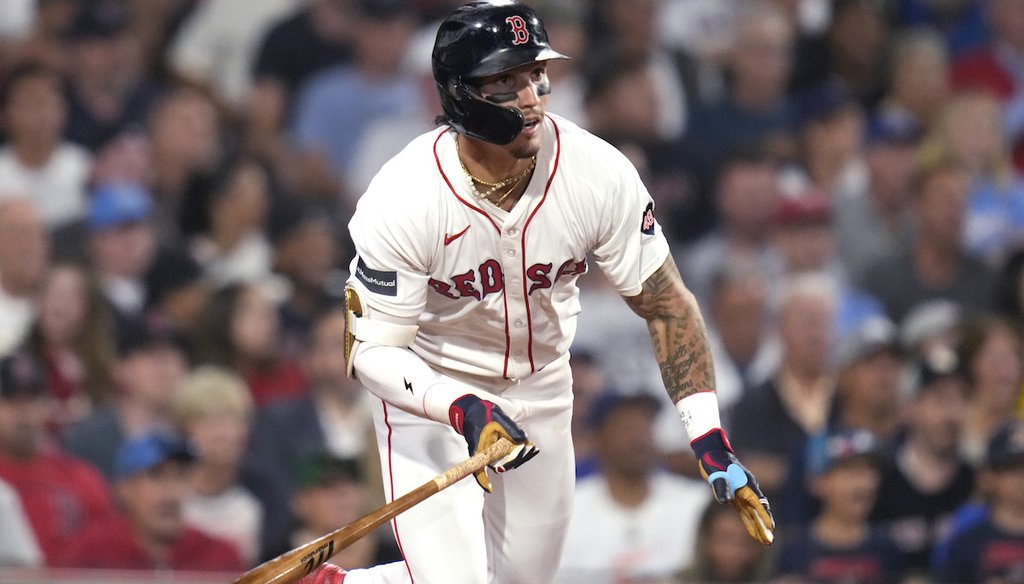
(519, 33)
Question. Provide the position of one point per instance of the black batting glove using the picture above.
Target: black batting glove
(482, 422)
(732, 483)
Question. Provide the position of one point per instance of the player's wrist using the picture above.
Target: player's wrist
(438, 399)
(700, 415)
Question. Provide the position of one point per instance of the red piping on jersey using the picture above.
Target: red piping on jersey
(544, 197)
(391, 482)
(504, 298)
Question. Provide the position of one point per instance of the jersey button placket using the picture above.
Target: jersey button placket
(518, 335)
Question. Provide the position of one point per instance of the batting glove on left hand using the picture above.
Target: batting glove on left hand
(482, 422)
(732, 483)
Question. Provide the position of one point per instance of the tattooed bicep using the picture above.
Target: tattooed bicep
(663, 293)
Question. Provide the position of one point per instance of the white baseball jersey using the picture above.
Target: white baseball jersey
(494, 296)
(494, 292)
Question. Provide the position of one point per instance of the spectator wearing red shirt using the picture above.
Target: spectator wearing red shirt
(151, 484)
(60, 495)
(242, 333)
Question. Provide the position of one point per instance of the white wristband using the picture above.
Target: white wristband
(438, 398)
(699, 413)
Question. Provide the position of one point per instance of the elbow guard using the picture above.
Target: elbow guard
(360, 327)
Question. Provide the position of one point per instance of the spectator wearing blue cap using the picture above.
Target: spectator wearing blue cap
(151, 483)
(839, 545)
(991, 549)
(61, 495)
(122, 244)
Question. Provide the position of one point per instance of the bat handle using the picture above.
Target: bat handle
(493, 453)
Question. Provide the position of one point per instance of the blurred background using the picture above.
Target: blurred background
(841, 182)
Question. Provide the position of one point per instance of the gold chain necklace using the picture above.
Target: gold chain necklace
(493, 186)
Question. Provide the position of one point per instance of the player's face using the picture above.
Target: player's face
(525, 88)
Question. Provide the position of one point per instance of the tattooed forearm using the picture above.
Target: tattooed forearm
(677, 332)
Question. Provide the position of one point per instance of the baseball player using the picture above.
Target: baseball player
(462, 304)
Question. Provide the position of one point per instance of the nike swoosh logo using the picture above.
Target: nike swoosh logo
(450, 238)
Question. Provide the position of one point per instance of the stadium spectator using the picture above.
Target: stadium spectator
(331, 491)
(992, 352)
(830, 134)
(869, 366)
(995, 66)
(122, 245)
(375, 85)
(917, 84)
(214, 411)
(307, 254)
(331, 415)
(151, 486)
(851, 52)
(839, 545)
(745, 198)
(992, 548)
(756, 108)
(770, 421)
(61, 496)
(723, 554)
(740, 330)
(24, 251)
(74, 339)
(627, 521)
(110, 92)
(177, 295)
(235, 247)
(314, 38)
(971, 132)
(148, 367)
(804, 238)
(216, 45)
(36, 161)
(241, 333)
(185, 147)
(928, 480)
(936, 265)
(877, 222)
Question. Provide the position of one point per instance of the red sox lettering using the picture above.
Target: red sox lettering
(489, 278)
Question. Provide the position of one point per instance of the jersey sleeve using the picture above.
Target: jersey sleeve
(388, 271)
(631, 245)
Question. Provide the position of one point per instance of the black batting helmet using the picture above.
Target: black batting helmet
(481, 39)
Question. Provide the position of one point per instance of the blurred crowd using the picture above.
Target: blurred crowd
(842, 182)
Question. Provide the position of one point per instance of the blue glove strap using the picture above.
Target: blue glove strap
(734, 476)
(737, 477)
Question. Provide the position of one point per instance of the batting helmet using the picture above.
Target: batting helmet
(481, 39)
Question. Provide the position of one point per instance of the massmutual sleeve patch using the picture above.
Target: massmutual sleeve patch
(647, 222)
(381, 282)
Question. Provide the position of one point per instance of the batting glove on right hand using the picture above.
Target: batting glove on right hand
(732, 483)
(482, 423)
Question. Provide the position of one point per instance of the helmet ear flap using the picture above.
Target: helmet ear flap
(479, 118)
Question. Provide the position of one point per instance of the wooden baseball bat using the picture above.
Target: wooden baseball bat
(291, 566)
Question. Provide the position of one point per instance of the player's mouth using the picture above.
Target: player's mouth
(530, 126)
